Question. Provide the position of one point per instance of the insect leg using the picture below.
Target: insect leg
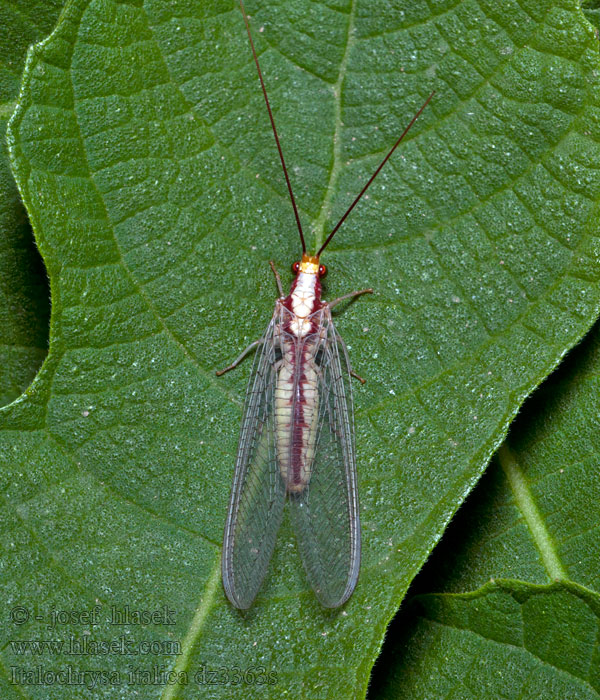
(342, 344)
(237, 361)
(350, 295)
(277, 278)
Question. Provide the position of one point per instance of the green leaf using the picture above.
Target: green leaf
(24, 294)
(593, 16)
(591, 9)
(510, 640)
(143, 152)
(535, 516)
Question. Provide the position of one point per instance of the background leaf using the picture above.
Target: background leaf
(24, 293)
(534, 516)
(509, 640)
(142, 151)
(591, 10)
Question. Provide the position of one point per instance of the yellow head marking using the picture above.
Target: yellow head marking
(309, 264)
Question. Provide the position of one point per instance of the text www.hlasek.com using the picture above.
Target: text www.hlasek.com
(92, 647)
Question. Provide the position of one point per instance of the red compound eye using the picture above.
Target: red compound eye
(322, 270)
(295, 267)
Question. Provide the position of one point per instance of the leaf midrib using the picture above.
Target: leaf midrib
(197, 624)
(527, 505)
(319, 225)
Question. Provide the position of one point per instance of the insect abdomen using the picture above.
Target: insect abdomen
(296, 417)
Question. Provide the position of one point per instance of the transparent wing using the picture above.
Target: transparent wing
(325, 513)
(258, 491)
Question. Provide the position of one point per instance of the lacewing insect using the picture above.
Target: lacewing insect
(297, 436)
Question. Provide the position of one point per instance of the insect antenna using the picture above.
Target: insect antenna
(264, 89)
(375, 174)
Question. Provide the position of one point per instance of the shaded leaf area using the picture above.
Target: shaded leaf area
(510, 640)
(593, 16)
(142, 150)
(534, 516)
(24, 292)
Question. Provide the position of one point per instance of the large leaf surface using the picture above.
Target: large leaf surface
(143, 153)
(24, 295)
